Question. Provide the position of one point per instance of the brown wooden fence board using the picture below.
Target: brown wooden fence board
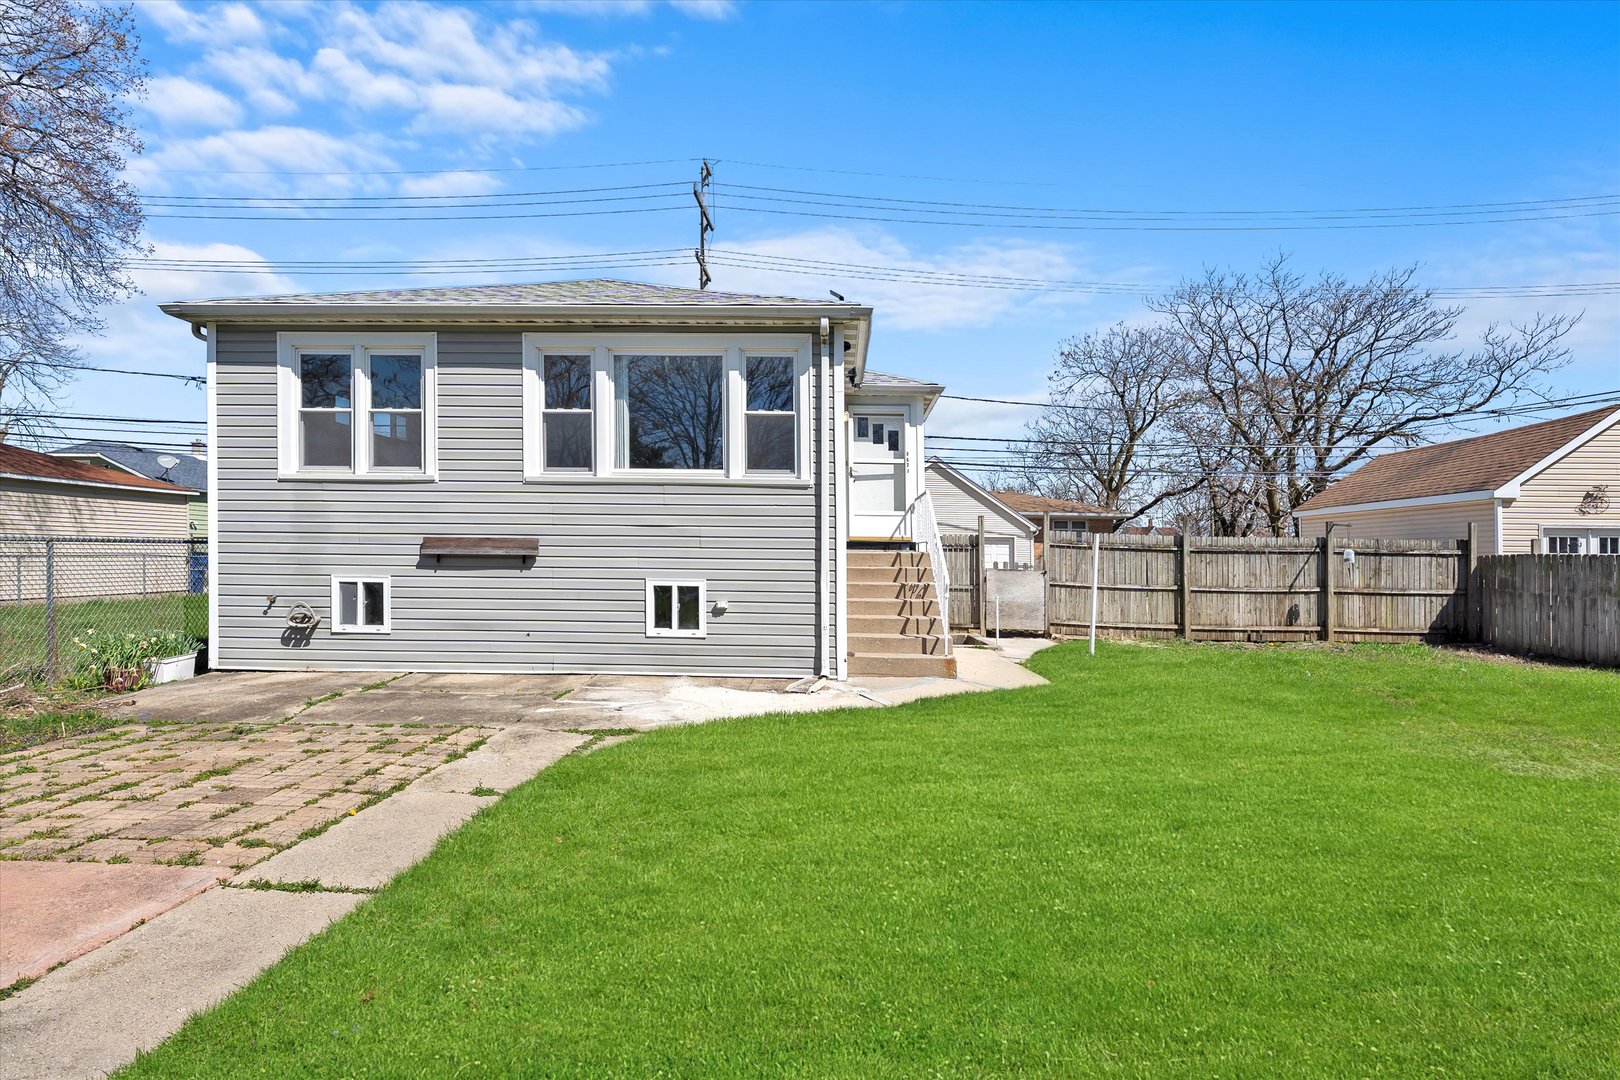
(1259, 588)
(1552, 605)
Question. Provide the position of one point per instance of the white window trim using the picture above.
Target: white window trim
(360, 346)
(1588, 535)
(733, 348)
(674, 600)
(359, 582)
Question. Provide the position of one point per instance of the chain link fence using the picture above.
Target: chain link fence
(80, 609)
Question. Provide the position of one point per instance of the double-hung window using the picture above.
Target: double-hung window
(356, 405)
(770, 418)
(567, 419)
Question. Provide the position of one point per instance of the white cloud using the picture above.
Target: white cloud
(204, 24)
(271, 82)
(177, 101)
(705, 9)
(449, 107)
(915, 303)
(263, 160)
(450, 183)
(610, 9)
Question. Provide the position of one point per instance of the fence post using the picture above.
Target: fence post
(50, 610)
(980, 579)
(1326, 555)
(1183, 573)
(1046, 536)
(1470, 584)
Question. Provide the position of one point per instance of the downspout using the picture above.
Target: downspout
(823, 500)
(197, 332)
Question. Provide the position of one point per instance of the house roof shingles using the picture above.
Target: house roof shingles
(31, 465)
(1480, 463)
(593, 292)
(1040, 504)
(191, 472)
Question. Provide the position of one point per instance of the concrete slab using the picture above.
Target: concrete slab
(56, 911)
(238, 696)
(510, 757)
(496, 685)
(365, 851)
(95, 1014)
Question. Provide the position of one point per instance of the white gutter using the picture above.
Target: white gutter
(840, 468)
(824, 532)
(214, 659)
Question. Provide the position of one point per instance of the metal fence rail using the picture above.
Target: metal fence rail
(55, 589)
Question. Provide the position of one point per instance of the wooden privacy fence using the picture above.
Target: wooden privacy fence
(1261, 588)
(1552, 605)
(964, 563)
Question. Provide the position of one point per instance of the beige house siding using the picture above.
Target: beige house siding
(42, 509)
(1551, 497)
(1447, 521)
(958, 511)
(36, 508)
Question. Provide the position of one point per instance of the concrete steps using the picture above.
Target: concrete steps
(895, 628)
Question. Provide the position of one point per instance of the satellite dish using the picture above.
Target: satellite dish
(168, 461)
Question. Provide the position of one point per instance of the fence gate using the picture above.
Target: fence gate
(964, 562)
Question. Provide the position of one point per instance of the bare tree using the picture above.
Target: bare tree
(1112, 435)
(67, 221)
(1309, 378)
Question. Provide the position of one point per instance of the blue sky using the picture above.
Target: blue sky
(1164, 110)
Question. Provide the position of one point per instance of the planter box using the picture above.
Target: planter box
(174, 668)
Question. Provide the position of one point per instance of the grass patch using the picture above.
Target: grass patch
(19, 732)
(1174, 861)
(184, 613)
(219, 771)
(483, 790)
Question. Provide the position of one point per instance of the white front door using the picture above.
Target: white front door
(878, 476)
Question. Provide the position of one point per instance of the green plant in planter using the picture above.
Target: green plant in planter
(118, 662)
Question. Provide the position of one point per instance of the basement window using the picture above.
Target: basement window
(361, 605)
(676, 609)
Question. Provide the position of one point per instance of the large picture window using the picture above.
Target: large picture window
(356, 405)
(671, 412)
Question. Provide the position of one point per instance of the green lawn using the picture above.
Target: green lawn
(1182, 860)
(22, 626)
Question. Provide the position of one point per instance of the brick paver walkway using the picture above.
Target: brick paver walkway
(219, 794)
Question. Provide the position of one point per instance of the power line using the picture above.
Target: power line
(1105, 226)
(424, 217)
(1443, 209)
(299, 200)
(426, 172)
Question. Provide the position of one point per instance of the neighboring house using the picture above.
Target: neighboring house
(960, 504)
(189, 470)
(45, 496)
(1547, 487)
(1064, 516)
(574, 476)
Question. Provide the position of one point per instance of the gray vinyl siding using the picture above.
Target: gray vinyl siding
(579, 607)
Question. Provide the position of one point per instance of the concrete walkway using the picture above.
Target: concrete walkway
(90, 1016)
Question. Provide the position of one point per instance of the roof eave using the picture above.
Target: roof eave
(168, 489)
(198, 312)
